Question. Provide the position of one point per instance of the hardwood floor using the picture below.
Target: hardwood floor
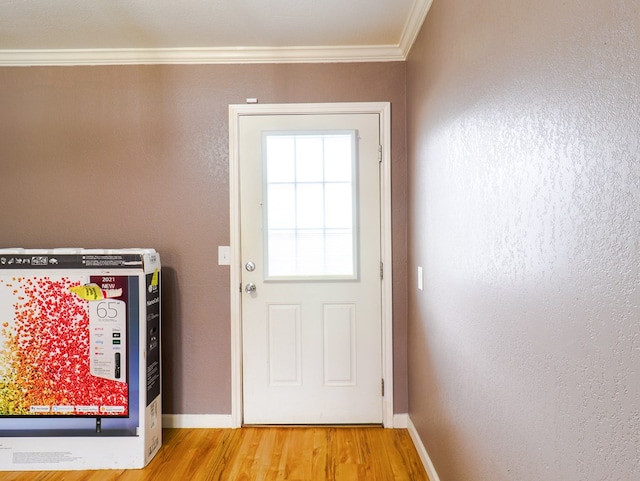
(266, 454)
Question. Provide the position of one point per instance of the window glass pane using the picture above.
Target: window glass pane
(309, 159)
(338, 165)
(310, 253)
(338, 209)
(281, 254)
(282, 206)
(280, 158)
(339, 251)
(310, 206)
(310, 216)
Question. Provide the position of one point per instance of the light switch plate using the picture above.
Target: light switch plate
(420, 280)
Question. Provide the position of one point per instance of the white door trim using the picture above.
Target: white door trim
(235, 112)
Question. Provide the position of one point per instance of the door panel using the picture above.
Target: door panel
(310, 227)
(339, 344)
(283, 325)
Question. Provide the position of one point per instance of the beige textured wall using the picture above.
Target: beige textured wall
(523, 147)
(135, 156)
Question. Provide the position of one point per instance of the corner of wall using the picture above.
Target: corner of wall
(422, 451)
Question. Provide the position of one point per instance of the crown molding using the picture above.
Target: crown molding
(414, 24)
(232, 55)
(224, 55)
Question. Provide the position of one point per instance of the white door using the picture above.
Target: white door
(311, 268)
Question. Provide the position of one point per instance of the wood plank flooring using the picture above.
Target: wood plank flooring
(267, 454)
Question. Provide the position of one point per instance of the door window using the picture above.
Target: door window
(310, 198)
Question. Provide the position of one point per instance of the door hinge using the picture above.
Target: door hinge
(382, 386)
(379, 153)
(381, 270)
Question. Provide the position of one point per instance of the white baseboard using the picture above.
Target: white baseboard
(400, 421)
(191, 421)
(422, 451)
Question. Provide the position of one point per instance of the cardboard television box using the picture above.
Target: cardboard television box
(80, 374)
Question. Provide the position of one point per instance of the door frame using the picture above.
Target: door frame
(236, 111)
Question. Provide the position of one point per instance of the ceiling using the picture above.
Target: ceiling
(95, 32)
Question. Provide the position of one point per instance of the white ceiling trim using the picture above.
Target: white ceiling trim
(226, 55)
(69, 57)
(414, 24)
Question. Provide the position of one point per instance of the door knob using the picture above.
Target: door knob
(250, 288)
